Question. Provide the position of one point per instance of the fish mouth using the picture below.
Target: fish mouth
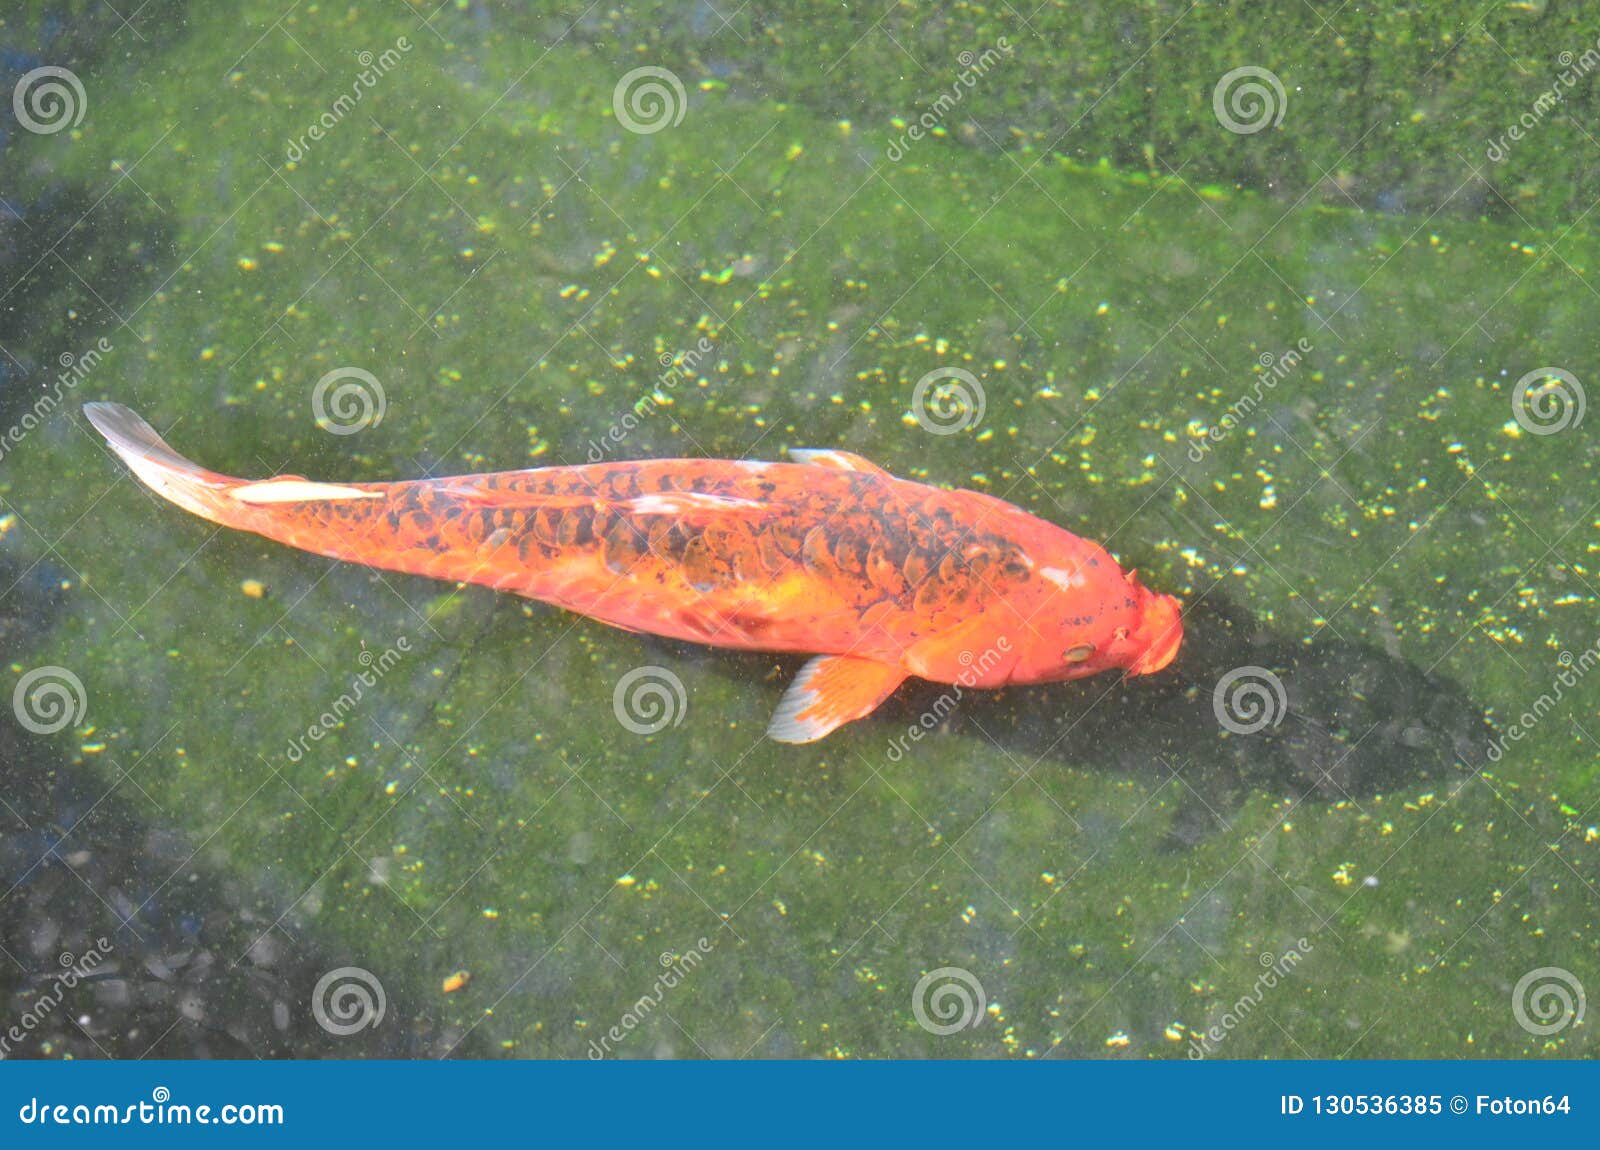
(1160, 635)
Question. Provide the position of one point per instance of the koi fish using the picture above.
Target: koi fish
(876, 578)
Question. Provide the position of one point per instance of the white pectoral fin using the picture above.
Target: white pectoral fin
(838, 460)
(830, 691)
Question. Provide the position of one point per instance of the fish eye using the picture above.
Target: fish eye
(1079, 653)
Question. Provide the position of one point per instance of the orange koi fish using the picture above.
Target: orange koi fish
(878, 578)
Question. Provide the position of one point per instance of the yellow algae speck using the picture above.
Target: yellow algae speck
(254, 588)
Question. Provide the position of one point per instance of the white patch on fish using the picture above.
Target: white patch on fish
(297, 491)
(1066, 580)
(678, 502)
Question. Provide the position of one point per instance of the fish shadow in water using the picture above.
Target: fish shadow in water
(1336, 720)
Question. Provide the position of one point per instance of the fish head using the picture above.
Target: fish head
(1154, 640)
(1117, 625)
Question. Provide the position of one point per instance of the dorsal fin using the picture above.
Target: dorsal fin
(832, 457)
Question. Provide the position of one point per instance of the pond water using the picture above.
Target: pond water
(281, 805)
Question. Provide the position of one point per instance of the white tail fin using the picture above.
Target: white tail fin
(162, 469)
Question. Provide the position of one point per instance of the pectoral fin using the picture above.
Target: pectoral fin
(829, 691)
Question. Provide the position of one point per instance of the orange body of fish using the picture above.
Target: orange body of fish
(877, 577)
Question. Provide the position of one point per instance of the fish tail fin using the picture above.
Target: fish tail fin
(163, 470)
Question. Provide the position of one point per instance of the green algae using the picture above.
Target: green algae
(482, 236)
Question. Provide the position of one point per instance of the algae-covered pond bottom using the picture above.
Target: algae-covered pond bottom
(1347, 440)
